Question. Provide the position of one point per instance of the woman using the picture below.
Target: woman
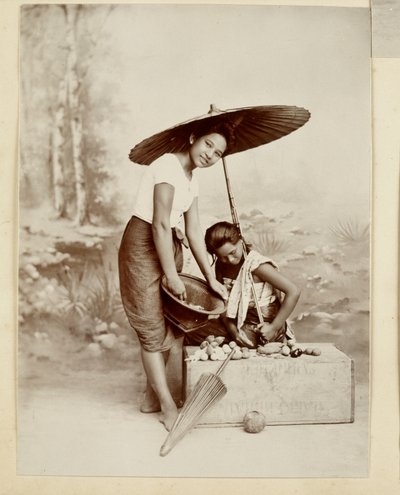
(150, 248)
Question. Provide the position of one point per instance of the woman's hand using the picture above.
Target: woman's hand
(176, 287)
(219, 288)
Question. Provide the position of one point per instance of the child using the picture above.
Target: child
(232, 268)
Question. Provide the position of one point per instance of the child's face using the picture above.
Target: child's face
(230, 253)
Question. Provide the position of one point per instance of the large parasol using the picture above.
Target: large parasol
(252, 127)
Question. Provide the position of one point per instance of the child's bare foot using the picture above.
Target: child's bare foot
(168, 418)
(150, 403)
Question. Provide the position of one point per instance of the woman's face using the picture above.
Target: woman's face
(207, 150)
(230, 253)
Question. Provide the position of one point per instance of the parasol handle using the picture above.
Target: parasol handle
(235, 219)
(253, 288)
(232, 205)
(225, 362)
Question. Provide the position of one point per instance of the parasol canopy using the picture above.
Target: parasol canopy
(252, 127)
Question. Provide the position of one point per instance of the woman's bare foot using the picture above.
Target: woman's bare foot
(147, 407)
(168, 418)
(150, 403)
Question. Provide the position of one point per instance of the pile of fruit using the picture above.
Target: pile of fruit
(291, 348)
(214, 349)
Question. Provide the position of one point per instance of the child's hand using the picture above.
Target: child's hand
(242, 338)
(267, 330)
(219, 288)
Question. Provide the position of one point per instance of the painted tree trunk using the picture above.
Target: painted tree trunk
(57, 152)
(82, 207)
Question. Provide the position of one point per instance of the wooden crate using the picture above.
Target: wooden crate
(303, 390)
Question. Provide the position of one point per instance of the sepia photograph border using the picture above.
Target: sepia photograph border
(384, 404)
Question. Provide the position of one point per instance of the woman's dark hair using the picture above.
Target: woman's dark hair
(219, 234)
(224, 128)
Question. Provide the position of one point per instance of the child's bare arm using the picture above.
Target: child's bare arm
(267, 273)
(234, 334)
(230, 326)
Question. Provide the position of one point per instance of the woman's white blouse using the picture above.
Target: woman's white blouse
(166, 169)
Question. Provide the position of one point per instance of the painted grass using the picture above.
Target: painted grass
(350, 231)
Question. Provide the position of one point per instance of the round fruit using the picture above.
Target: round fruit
(285, 351)
(219, 352)
(245, 353)
(203, 344)
(226, 348)
(204, 356)
(210, 338)
(214, 357)
(219, 340)
(214, 343)
(209, 349)
(232, 344)
(254, 422)
(316, 352)
(308, 351)
(296, 352)
(238, 354)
